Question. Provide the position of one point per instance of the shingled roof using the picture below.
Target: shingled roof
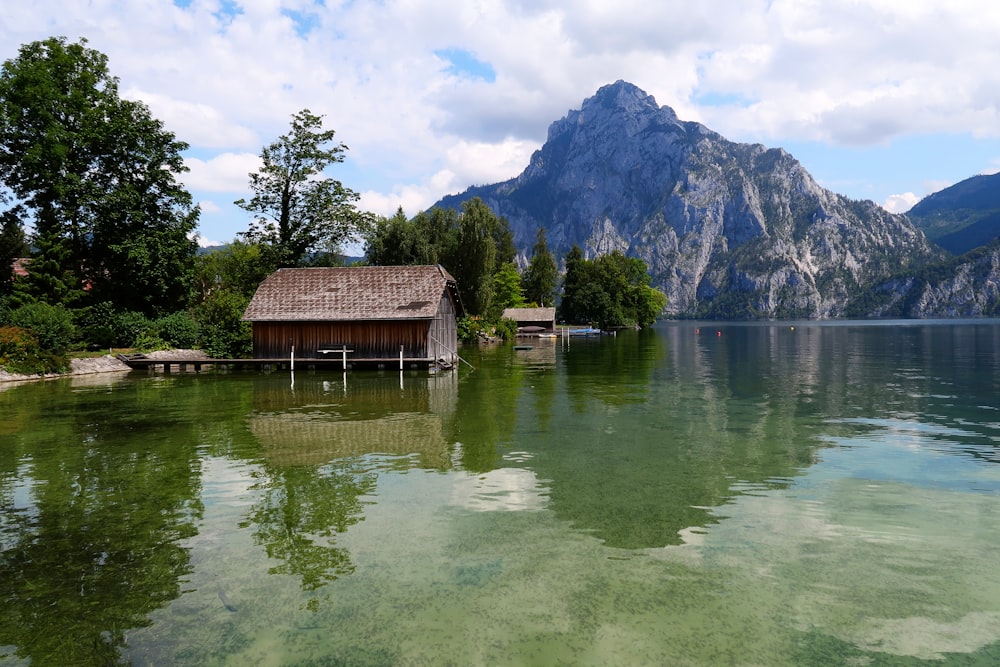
(530, 314)
(327, 294)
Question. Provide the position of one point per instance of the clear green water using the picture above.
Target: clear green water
(746, 495)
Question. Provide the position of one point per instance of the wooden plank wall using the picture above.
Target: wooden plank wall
(443, 340)
(369, 340)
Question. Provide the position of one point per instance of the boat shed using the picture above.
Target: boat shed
(368, 314)
(532, 319)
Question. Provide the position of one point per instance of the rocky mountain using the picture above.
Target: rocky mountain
(728, 230)
(963, 216)
(964, 286)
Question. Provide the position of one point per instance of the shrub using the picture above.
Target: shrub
(5, 310)
(471, 330)
(506, 328)
(129, 327)
(95, 324)
(223, 334)
(52, 325)
(148, 341)
(20, 352)
(178, 330)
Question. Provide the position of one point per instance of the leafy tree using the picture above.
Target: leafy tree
(298, 209)
(474, 246)
(95, 175)
(239, 267)
(475, 258)
(395, 241)
(612, 290)
(142, 254)
(571, 308)
(49, 279)
(13, 244)
(542, 274)
(507, 291)
(428, 238)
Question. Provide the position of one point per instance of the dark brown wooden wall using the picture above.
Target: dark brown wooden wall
(369, 340)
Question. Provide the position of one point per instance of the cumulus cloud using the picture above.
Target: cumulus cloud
(900, 203)
(226, 77)
(227, 172)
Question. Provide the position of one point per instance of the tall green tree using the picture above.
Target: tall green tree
(96, 177)
(612, 290)
(49, 279)
(571, 309)
(239, 267)
(507, 290)
(299, 209)
(141, 249)
(429, 238)
(474, 262)
(542, 275)
(475, 245)
(13, 244)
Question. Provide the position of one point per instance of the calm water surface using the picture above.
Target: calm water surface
(696, 494)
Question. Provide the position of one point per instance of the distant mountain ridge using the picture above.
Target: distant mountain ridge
(728, 230)
(963, 216)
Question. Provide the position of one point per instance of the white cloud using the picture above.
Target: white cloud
(203, 242)
(481, 163)
(209, 206)
(773, 71)
(227, 172)
(900, 203)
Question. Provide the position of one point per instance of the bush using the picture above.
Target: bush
(506, 328)
(223, 333)
(5, 311)
(130, 327)
(52, 325)
(104, 327)
(178, 330)
(94, 323)
(471, 330)
(20, 352)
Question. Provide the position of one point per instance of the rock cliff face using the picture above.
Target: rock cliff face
(727, 230)
(966, 286)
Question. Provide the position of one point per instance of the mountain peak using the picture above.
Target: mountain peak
(727, 229)
(624, 95)
(620, 99)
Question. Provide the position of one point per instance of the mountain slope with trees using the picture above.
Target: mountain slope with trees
(963, 216)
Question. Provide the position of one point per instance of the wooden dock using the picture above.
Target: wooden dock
(142, 362)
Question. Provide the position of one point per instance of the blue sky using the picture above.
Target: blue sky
(887, 100)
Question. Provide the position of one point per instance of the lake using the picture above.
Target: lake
(693, 494)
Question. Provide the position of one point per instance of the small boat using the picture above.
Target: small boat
(522, 347)
(589, 331)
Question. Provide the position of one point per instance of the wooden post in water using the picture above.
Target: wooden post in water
(291, 359)
(400, 357)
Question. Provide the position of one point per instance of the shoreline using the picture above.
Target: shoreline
(94, 365)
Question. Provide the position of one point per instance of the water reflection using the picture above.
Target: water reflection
(757, 493)
(314, 476)
(702, 412)
(92, 523)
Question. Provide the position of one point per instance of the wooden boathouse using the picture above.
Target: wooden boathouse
(359, 316)
(532, 320)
